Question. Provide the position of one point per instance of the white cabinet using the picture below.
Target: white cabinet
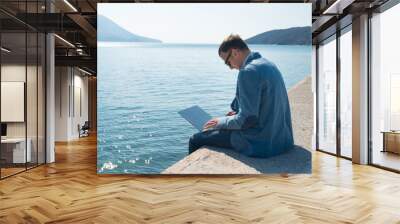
(18, 145)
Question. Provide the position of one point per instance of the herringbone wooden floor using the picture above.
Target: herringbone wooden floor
(70, 191)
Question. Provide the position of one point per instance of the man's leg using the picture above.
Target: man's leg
(218, 138)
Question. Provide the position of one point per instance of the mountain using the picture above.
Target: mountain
(291, 36)
(110, 31)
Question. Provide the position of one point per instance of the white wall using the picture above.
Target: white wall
(62, 81)
(12, 73)
(33, 126)
(70, 83)
(17, 73)
(314, 91)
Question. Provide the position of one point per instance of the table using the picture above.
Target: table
(391, 141)
(18, 150)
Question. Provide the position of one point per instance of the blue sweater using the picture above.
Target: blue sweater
(262, 126)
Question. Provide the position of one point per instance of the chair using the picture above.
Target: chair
(84, 130)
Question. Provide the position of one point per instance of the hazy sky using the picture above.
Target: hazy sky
(204, 23)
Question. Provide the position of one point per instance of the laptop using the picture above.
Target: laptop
(195, 116)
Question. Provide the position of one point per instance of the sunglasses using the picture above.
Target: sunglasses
(227, 62)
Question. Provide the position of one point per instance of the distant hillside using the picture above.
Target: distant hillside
(107, 30)
(291, 36)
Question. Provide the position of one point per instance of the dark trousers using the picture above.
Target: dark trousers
(218, 138)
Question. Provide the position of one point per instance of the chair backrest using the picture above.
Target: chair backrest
(86, 125)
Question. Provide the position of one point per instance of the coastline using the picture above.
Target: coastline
(220, 161)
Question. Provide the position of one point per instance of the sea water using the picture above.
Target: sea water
(141, 87)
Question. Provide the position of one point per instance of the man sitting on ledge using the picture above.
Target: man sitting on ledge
(259, 124)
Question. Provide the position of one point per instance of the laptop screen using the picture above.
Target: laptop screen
(195, 116)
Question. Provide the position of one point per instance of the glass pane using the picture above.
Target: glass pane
(346, 94)
(327, 96)
(31, 100)
(386, 89)
(41, 98)
(13, 86)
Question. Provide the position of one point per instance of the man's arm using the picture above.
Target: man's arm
(250, 90)
(235, 105)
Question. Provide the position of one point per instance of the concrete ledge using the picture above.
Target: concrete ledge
(211, 160)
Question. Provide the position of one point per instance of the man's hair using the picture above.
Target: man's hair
(232, 41)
